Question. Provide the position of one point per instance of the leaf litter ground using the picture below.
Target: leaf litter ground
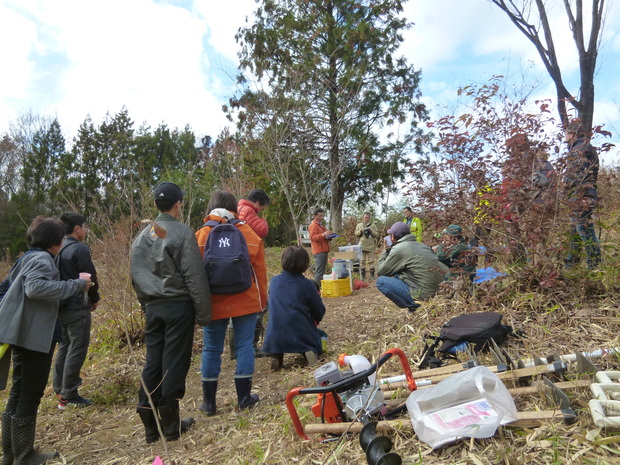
(363, 323)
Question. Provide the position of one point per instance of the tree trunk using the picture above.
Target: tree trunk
(587, 50)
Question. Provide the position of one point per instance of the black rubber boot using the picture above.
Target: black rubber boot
(363, 275)
(171, 422)
(244, 395)
(209, 390)
(150, 424)
(7, 448)
(413, 308)
(277, 360)
(22, 437)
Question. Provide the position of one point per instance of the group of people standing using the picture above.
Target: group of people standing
(173, 287)
(176, 290)
(57, 268)
(52, 289)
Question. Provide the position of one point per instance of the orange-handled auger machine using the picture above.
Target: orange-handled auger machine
(345, 397)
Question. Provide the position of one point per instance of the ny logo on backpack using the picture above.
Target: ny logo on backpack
(226, 258)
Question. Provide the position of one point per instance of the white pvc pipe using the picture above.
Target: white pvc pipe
(605, 413)
(529, 362)
(600, 353)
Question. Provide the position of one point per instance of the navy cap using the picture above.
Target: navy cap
(168, 191)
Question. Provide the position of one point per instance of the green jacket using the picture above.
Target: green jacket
(368, 242)
(415, 264)
(454, 257)
(415, 226)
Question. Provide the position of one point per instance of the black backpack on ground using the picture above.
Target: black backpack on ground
(473, 329)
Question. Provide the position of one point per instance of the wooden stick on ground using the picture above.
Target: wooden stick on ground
(524, 420)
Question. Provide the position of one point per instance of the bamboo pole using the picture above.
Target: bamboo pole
(524, 420)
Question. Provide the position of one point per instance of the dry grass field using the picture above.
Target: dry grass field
(581, 314)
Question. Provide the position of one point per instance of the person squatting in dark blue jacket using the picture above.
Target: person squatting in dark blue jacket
(295, 310)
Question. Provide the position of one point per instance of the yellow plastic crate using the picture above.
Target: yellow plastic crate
(336, 287)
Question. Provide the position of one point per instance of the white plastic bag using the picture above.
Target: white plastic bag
(469, 404)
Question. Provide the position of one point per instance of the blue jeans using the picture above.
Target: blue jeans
(214, 334)
(395, 290)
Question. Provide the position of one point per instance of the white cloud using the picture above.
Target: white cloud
(224, 20)
(18, 36)
(143, 55)
(170, 64)
(454, 34)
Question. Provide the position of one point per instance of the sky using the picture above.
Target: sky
(175, 61)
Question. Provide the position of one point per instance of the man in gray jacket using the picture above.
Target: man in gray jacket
(171, 284)
(407, 269)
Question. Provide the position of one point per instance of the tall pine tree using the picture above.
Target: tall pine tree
(332, 74)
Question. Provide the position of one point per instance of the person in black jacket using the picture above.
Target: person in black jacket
(74, 313)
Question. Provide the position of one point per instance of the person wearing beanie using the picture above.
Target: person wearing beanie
(454, 253)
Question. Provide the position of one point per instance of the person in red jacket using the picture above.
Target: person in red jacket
(249, 208)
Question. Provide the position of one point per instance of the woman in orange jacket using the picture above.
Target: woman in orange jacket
(241, 307)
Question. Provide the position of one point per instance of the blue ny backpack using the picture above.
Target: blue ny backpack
(227, 259)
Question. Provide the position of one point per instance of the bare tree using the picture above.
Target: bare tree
(531, 18)
(9, 169)
(284, 147)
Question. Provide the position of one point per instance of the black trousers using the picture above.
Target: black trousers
(71, 355)
(169, 335)
(31, 372)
